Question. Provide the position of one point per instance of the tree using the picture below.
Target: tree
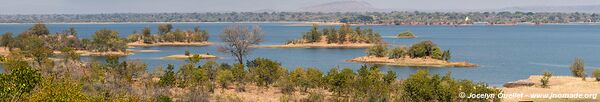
(577, 68)
(378, 50)
(169, 78)
(398, 52)
(20, 80)
(265, 71)
(39, 29)
(237, 41)
(107, 40)
(546, 79)
(239, 75)
(60, 89)
(70, 54)
(6, 39)
(164, 28)
(341, 83)
(314, 78)
(314, 35)
(596, 74)
(146, 35)
(225, 78)
(40, 54)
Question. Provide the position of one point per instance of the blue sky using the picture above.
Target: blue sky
(145, 6)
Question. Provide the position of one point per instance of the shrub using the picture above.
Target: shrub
(577, 68)
(596, 74)
(187, 52)
(168, 79)
(397, 52)
(422, 86)
(225, 78)
(546, 79)
(377, 50)
(265, 71)
(406, 34)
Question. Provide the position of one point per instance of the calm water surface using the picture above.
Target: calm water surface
(505, 53)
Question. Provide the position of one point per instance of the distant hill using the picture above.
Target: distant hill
(566, 9)
(342, 6)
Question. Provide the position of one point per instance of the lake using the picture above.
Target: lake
(505, 53)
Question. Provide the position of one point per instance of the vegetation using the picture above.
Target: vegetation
(38, 39)
(546, 79)
(378, 50)
(422, 49)
(596, 74)
(577, 68)
(392, 18)
(238, 39)
(345, 34)
(424, 87)
(406, 34)
(165, 34)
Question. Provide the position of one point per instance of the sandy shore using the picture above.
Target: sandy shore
(128, 50)
(557, 85)
(411, 62)
(317, 45)
(184, 57)
(171, 44)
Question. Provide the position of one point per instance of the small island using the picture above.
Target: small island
(406, 35)
(185, 57)
(38, 41)
(344, 37)
(167, 37)
(421, 54)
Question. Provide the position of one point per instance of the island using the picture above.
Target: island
(421, 54)
(344, 37)
(185, 57)
(406, 34)
(38, 41)
(167, 37)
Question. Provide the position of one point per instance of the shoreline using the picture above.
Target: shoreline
(557, 85)
(317, 45)
(410, 62)
(170, 44)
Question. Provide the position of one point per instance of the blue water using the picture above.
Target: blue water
(505, 53)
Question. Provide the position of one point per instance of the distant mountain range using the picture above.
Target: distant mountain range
(363, 6)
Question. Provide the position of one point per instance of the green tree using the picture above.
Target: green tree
(147, 35)
(265, 72)
(314, 35)
(378, 50)
(107, 40)
(70, 54)
(577, 68)
(20, 80)
(39, 29)
(398, 52)
(341, 83)
(6, 39)
(239, 75)
(169, 78)
(225, 78)
(164, 28)
(61, 89)
(596, 74)
(546, 79)
(314, 78)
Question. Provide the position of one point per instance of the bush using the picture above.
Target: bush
(596, 74)
(422, 86)
(422, 49)
(546, 79)
(406, 34)
(377, 50)
(187, 52)
(265, 71)
(397, 52)
(577, 68)
(169, 78)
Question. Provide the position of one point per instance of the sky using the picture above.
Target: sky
(154, 6)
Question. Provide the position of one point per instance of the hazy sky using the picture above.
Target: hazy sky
(145, 6)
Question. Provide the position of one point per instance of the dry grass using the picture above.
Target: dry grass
(411, 62)
(557, 84)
